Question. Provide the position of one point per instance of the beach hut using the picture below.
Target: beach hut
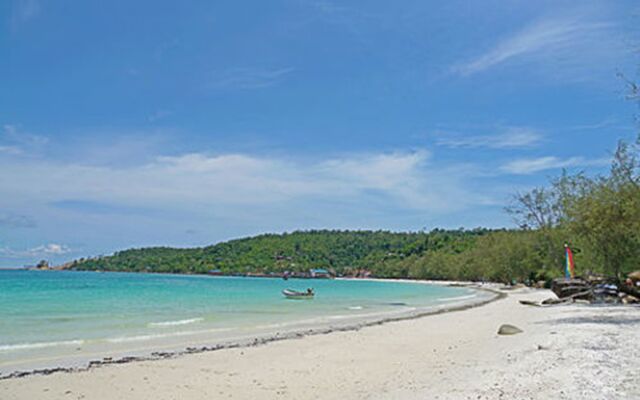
(319, 273)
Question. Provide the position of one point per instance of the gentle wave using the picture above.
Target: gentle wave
(328, 318)
(176, 323)
(39, 345)
(370, 314)
(126, 339)
(355, 308)
(470, 296)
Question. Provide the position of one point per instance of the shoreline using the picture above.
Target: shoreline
(159, 353)
(570, 351)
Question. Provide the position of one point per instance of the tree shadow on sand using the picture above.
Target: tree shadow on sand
(597, 319)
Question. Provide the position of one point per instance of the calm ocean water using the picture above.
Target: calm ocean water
(52, 314)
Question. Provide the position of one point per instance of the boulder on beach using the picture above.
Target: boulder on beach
(540, 284)
(506, 329)
(628, 299)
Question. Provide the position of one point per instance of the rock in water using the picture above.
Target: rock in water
(507, 329)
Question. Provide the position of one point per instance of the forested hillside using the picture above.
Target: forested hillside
(341, 251)
(598, 216)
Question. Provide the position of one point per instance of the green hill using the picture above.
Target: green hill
(380, 252)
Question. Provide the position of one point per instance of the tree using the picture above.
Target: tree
(605, 212)
(539, 208)
(542, 210)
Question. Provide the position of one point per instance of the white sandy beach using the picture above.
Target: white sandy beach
(565, 352)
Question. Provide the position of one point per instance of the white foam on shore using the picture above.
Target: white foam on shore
(372, 314)
(140, 338)
(324, 319)
(448, 299)
(125, 339)
(176, 323)
(39, 345)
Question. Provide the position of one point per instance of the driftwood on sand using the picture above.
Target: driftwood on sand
(551, 301)
(571, 288)
(592, 289)
(530, 303)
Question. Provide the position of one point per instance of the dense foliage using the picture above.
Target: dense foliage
(603, 213)
(384, 253)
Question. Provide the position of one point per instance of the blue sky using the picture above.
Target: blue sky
(127, 124)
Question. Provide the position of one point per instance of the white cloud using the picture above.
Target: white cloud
(513, 137)
(564, 46)
(45, 250)
(248, 78)
(533, 165)
(51, 248)
(199, 181)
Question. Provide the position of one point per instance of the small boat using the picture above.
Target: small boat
(294, 294)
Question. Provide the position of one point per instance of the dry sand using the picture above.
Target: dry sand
(565, 352)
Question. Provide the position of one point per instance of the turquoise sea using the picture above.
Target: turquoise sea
(49, 318)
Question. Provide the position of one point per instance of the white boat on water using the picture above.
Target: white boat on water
(294, 294)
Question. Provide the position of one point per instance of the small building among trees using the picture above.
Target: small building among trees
(319, 273)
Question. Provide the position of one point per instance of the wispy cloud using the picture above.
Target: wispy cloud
(607, 123)
(512, 137)
(533, 165)
(248, 78)
(326, 7)
(17, 221)
(51, 248)
(561, 42)
(45, 250)
(199, 181)
(353, 20)
(158, 115)
(165, 47)
(99, 208)
(23, 11)
(11, 150)
(115, 146)
(15, 141)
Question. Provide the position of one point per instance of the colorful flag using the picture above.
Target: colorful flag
(570, 268)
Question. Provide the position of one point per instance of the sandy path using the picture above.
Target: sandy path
(565, 352)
